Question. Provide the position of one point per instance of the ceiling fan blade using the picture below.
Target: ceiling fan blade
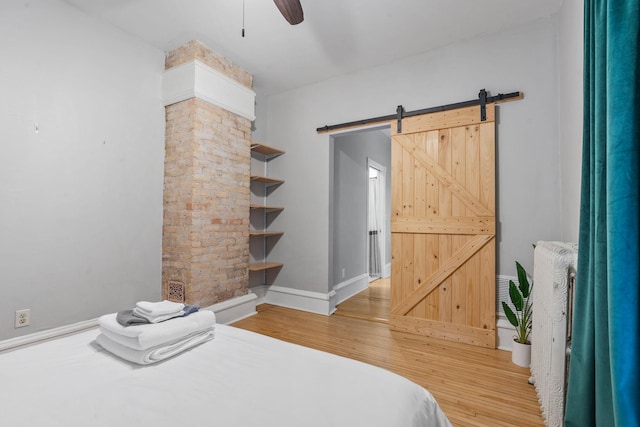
(291, 10)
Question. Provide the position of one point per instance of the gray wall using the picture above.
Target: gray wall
(349, 194)
(81, 198)
(571, 97)
(259, 125)
(528, 175)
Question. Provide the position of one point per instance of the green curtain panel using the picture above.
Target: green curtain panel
(604, 373)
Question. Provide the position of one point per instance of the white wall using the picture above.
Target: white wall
(528, 192)
(81, 198)
(571, 25)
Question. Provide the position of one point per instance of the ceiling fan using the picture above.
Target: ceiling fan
(291, 10)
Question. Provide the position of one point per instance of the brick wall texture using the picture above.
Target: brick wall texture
(205, 240)
(196, 50)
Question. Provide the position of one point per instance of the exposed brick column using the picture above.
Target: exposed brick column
(205, 242)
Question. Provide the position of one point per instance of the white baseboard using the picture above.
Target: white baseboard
(260, 292)
(504, 329)
(314, 302)
(504, 333)
(226, 312)
(348, 288)
(234, 309)
(37, 337)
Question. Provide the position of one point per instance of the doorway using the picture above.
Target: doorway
(352, 155)
(360, 228)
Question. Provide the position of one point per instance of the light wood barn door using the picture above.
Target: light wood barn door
(443, 226)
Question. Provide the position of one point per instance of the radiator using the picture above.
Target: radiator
(554, 269)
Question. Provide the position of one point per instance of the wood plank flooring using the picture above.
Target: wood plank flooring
(371, 304)
(474, 386)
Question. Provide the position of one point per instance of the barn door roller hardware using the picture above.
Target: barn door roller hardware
(483, 105)
(482, 101)
(399, 114)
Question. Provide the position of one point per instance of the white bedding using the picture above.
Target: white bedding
(240, 378)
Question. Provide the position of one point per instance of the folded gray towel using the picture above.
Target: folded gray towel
(188, 309)
(127, 318)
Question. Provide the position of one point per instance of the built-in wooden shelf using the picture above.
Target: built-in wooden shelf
(266, 180)
(261, 266)
(266, 153)
(265, 150)
(267, 208)
(266, 233)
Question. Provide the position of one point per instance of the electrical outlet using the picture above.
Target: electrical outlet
(23, 318)
(343, 273)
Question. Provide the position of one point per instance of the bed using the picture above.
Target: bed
(239, 378)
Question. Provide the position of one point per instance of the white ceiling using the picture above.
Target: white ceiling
(336, 37)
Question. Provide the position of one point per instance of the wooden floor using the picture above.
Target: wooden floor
(474, 386)
(372, 304)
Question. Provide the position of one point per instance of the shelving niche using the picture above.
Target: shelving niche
(260, 236)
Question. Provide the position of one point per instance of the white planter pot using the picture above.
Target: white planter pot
(521, 354)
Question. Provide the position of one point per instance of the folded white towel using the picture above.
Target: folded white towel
(134, 343)
(157, 318)
(161, 308)
(157, 353)
(151, 335)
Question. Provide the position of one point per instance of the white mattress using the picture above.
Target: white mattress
(240, 378)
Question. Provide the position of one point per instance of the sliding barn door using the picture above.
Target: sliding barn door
(443, 226)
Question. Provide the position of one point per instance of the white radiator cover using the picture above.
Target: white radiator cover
(552, 266)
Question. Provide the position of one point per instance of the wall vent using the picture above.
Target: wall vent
(502, 292)
(175, 291)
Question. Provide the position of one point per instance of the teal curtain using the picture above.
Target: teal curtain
(604, 373)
